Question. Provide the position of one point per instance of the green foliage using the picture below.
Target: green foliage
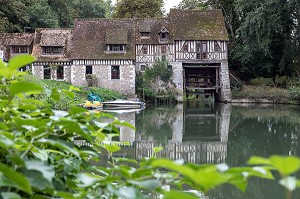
(42, 16)
(146, 83)
(158, 70)
(41, 156)
(26, 15)
(261, 81)
(139, 8)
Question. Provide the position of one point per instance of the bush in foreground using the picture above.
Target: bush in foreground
(39, 158)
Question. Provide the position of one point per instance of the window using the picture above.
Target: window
(88, 71)
(144, 35)
(163, 35)
(23, 49)
(53, 50)
(198, 56)
(143, 67)
(25, 68)
(145, 50)
(60, 72)
(163, 49)
(201, 47)
(185, 48)
(116, 48)
(47, 72)
(217, 47)
(115, 72)
(19, 49)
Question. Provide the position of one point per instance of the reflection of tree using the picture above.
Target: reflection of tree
(262, 132)
(156, 124)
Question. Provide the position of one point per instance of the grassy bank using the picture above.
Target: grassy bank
(278, 95)
(65, 101)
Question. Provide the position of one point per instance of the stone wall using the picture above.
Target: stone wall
(125, 85)
(67, 73)
(38, 71)
(225, 94)
(178, 80)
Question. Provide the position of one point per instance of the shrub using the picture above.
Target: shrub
(41, 158)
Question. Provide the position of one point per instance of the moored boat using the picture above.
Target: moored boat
(123, 104)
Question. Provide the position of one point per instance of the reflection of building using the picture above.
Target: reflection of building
(200, 134)
(193, 132)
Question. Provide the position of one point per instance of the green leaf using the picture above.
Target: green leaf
(285, 165)
(111, 148)
(209, 178)
(20, 61)
(16, 159)
(10, 195)
(77, 110)
(40, 154)
(6, 142)
(151, 184)
(46, 170)
(73, 88)
(69, 93)
(258, 161)
(157, 149)
(123, 123)
(17, 179)
(25, 87)
(164, 163)
(55, 94)
(60, 145)
(130, 193)
(88, 179)
(179, 195)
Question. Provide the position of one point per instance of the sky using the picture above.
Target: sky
(168, 4)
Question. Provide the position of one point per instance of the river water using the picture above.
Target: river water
(208, 132)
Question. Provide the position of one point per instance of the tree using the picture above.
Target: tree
(89, 8)
(264, 37)
(139, 8)
(14, 15)
(42, 16)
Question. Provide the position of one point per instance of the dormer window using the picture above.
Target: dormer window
(53, 50)
(163, 35)
(19, 49)
(145, 35)
(116, 48)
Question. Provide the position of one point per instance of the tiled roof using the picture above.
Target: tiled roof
(52, 37)
(198, 25)
(21, 39)
(91, 37)
(154, 26)
(116, 35)
(14, 39)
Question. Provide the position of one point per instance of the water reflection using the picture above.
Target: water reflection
(196, 132)
(213, 133)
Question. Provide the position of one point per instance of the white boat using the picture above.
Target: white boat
(123, 104)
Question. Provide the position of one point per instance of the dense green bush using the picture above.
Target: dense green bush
(41, 158)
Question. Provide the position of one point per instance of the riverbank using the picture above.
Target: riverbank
(266, 94)
(65, 101)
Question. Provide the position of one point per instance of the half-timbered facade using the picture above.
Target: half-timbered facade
(153, 41)
(108, 52)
